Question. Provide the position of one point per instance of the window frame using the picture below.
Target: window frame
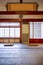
(35, 40)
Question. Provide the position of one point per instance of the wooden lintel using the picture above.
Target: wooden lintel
(33, 20)
(23, 20)
(21, 12)
(9, 20)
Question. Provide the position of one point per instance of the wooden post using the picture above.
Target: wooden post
(21, 28)
(21, 25)
(21, 1)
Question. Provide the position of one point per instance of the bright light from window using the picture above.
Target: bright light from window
(8, 31)
(1, 32)
(12, 32)
(36, 29)
(9, 24)
(17, 32)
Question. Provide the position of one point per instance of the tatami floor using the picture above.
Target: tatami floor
(20, 54)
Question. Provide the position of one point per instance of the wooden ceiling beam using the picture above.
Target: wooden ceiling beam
(21, 12)
(23, 20)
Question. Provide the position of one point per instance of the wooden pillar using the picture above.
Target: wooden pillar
(21, 28)
(21, 25)
(21, 1)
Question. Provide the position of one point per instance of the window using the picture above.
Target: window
(17, 32)
(12, 34)
(36, 30)
(41, 29)
(9, 24)
(9, 30)
(31, 29)
(6, 30)
(1, 32)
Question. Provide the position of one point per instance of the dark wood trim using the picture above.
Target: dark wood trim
(9, 38)
(21, 31)
(32, 20)
(21, 1)
(9, 20)
(21, 12)
(23, 20)
(35, 40)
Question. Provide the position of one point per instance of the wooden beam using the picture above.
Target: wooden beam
(23, 20)
(32, 20)
(9, 20)
(21, 12)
